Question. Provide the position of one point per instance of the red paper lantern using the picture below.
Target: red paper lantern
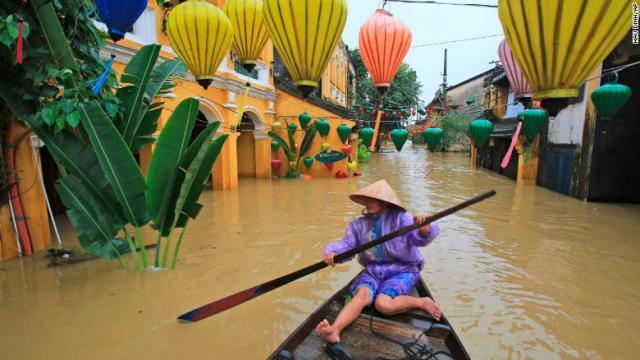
(384, 42)
(275, 165)
(346, 149)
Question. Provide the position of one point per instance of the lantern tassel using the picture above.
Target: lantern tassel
(514, 140)
(103, 77)
(20, 43)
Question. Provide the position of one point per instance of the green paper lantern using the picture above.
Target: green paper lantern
(304, 120)
(421, 112)
(323, 127)
(532, 121)
(399, 137)
(438, 108)
(343, 132)
(366, 134)
(609, 99)
(308, 161)
(469, 101)
(481, 130)
(432, 136)
(292, 127)
(275, 145)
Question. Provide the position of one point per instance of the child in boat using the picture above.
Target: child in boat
(391, 269)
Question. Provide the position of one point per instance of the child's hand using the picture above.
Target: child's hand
(329, 259)
(424, 230)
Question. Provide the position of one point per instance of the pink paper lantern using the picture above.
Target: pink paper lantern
(517, 80)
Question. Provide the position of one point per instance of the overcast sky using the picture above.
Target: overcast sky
(438, 23)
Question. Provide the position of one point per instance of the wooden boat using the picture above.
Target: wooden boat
(415, 326)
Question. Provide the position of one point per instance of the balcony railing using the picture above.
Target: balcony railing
(242, 71)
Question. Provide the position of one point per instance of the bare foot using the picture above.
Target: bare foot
(327, 332)
(432, 308)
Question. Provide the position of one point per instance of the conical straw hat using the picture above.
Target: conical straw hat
(379, 190)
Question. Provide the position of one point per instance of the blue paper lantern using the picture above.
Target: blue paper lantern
(120, 15)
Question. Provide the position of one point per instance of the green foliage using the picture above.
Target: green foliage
(172, 143)
(104, 191)
(293, 154)
(401, 95)
(363, 152)
(190, 189)
(117, 163)
(49, 84)
(96, 227)
(455, 130)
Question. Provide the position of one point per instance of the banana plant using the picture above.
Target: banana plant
(177, 176)
(293, 154)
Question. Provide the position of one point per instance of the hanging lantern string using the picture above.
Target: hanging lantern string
(430, 2)
(614, 70)
(456, 41)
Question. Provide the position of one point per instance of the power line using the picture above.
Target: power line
(441, 3)
(459, 40)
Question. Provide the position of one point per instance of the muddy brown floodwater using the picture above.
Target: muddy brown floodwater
(527, 274)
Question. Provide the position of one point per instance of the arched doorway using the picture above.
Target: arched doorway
(247, 146)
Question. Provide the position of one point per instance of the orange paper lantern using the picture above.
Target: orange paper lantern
(384, 42)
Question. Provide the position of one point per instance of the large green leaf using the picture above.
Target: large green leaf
(81, 161)
(147, 128)
(117, 163)
(309, 135)
(137, 74)
(171, 144)
(185, 162)
(161, 78)
(95, 226)
(195, 179)
(291, 156)
(195, 146)
(54, 34)
(291, 132)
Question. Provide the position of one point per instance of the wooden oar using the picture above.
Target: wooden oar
(238, 298)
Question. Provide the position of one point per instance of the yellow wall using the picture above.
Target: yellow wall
(336, 77)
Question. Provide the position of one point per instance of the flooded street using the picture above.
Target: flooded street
(528, 273)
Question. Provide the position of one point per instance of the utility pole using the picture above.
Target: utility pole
(444, 81)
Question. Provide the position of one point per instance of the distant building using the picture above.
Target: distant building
(578, 154)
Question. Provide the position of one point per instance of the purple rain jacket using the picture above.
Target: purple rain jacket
(394, 256)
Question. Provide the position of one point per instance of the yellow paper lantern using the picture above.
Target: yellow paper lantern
(305, 33)
(201, 35)
(249, 32)
(352, 166)
(559, 43)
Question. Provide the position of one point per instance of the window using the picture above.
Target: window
(145, 28)
(242, 71)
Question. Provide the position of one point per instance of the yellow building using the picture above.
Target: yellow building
(247, 152)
